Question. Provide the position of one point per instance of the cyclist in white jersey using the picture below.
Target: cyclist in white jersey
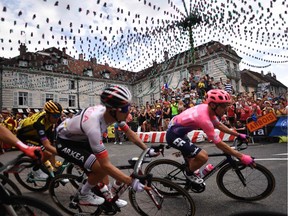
(204, 116)
(79, 140)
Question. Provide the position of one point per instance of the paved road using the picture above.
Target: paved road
(211, 201)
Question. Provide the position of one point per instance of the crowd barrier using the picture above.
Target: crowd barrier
(195, 136)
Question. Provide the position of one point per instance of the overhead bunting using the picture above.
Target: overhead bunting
(123, 36)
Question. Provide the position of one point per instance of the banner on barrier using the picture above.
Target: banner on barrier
(261, 122)
(279, 128)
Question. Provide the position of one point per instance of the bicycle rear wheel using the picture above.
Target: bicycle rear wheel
(26, 178)
(168, 169)
(162, 199)
(24, 205)
(63, 194)
(259, 181)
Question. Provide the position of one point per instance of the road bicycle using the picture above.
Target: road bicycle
(238, 181)
(157, 201)
(13, 203)
(22, 169)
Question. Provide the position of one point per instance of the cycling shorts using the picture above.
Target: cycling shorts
(79, 153)
(183, 144)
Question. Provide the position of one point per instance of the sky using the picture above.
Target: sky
(131, 34)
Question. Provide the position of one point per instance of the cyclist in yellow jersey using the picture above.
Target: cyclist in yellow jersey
(37, 130)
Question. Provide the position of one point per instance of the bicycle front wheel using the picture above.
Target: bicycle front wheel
(259, 182)
(26, 178)
(63, 189)
(161, 199)
(24, 205)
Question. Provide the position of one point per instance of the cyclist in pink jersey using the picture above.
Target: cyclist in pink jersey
(203, 116)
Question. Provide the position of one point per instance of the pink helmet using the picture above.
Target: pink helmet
(218, 96)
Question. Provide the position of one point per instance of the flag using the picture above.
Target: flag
(165, 86)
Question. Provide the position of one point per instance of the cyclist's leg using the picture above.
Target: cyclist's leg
(194, 156)
(80, 153)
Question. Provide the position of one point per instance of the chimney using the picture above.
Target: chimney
(93, 60)
(262, 72)
(64, 50)
(269, 73)
(81, 56)
(22, 49)
(274, 76)
(165, 55)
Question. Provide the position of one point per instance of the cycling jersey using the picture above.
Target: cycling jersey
(193, 119)
(35, 128)
(87, 127)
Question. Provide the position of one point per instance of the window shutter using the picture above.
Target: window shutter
(15, 99)
(43, 100)
(30, 99)
(55, 98)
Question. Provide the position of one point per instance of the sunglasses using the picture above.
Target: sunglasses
(125, 109)
(56, 115)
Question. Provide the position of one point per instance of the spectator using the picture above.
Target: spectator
(174, 108)
(158, 114)
(227, 86)
(118, 134)
(166, 115)
(267, 108)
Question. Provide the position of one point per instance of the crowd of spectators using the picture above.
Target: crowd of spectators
(244, 106)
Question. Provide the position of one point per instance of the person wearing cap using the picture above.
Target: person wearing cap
(174, 107)
(79, 140)
(267, 108)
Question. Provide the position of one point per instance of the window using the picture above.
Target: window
(152, 98)
(165, 79)
(49, 67)
(91, 101)
(50, 82)
(49, 97)
(64, 61)
(72, 84)
(23, 99)
(228, 66)
(140, 101)
(88, 72)
(205, 69)
(23, 63)
(72, 101)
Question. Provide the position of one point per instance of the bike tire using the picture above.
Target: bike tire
(168, 169)
(25, 178)
(24, 205)
(260, 182)
(62, 195)
(10, 185)
(180, 204)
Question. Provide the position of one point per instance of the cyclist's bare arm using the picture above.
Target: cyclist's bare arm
(113, 171)
(9, 138)
(133, 137)
(48, 146)
(228, 150)
(225, 129)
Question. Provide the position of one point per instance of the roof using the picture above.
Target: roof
(252, 78)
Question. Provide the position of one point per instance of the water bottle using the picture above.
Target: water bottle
(105, 191)
(115, 187)
(58, 164)
(207, 169)
(49, 166)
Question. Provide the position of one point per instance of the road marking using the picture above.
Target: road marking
(271, 159)
(282, 154)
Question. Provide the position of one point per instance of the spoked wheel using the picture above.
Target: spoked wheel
(9, 185)
(26, 178)
(63, 191)
(168, 169)
(74, 170)
(165, 198)
(24, 205)
(259, 182)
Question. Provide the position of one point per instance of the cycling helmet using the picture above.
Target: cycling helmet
(52, 107)
(218, 96)
(116, 96)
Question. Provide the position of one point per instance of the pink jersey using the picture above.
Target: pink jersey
(195, 118)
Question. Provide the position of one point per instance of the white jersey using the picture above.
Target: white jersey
(88, 126)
